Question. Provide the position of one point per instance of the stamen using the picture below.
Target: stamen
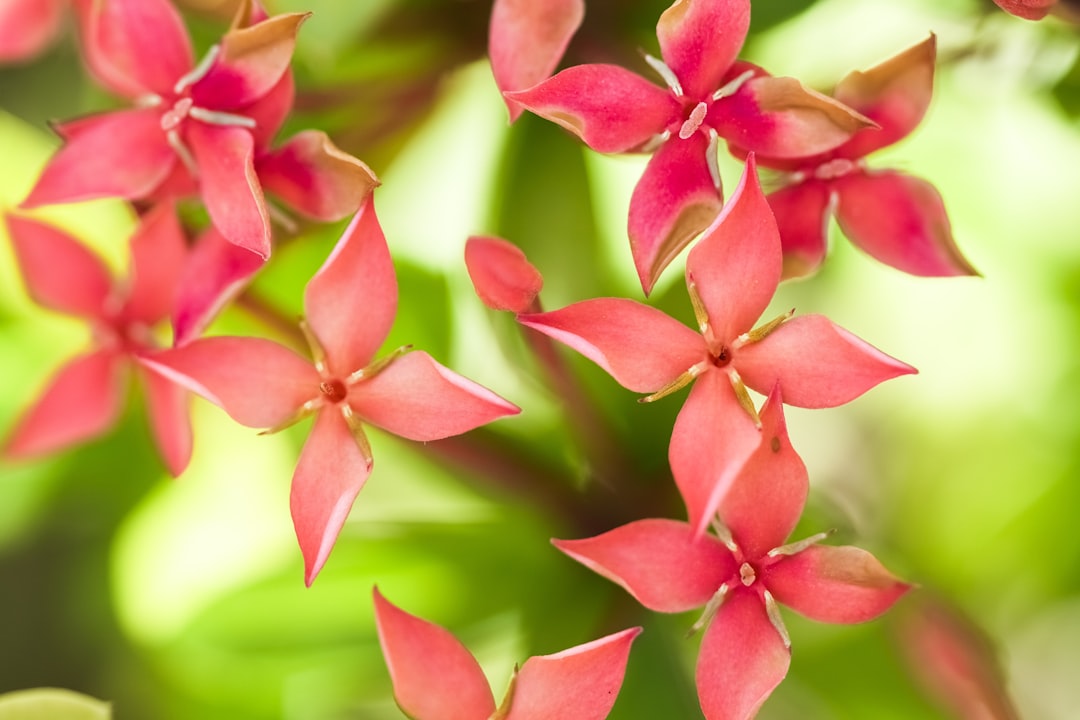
(357, 430)
(318, 354)
(149, 101)
(710, 610)
(773, 611)
(724, 534)
(701, 314)
(198, 72)
(282, 218)
(656, 141)
(693, 122)
(747, 574)
(304, 410)
(711, 158)
(743, 396)
(173, 138)
(762, 331)
(666, 73)
(215, 117)
(377, 367)
(732, 87)
(799, 546)
(835, 168)
(675, 385)
(172, 118)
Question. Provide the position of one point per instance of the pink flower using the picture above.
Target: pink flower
(708, 96)
(731, 274)
(28, 26)
(436, 678)
(84, 399)
(502, 276)
(1027, 9)
(350, 305)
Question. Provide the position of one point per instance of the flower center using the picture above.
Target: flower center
(747, 574)
(722, 357)
(835, 168)
(172, 118)
(693, 120)
(333, 390)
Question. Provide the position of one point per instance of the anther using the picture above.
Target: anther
(747, 574)
(693, 122)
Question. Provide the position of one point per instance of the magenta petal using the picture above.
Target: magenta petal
(258, 382)
(270, 111)
(502, 276)
(901, 221)
(817, 363)
(581, 683)
(700, 39)
(802, 217)
(117, 154)
(527, 39)
(1027, 9)
(742, 659)
(610, 108)
(675, 200)
(169, 409)
(640, 346)
(81, 402)
(834, 584)
(27, 26)
(434, 676)
(59, 272)
(351, 301)
(660, 562)
(419, 399)
(712, 439)
(158, 254)
(737, 263)
(328, 476)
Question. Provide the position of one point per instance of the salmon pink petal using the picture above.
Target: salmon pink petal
(328, 476)
(736, 265)
(834, 584)
(901, 221)
(169, 408)
(580, 683)
(527, 39)
(742, 659)
(419, 399)
(27, 26)
(660, 562)
(258, 382)
(817, 363)
(351, 301)
(640, 346)
(158, 254)
(700, 39)
(81, 402)
(59, 272)
(315, 178)
(712, 439)
(434, 676)
(610, 108)
(502, 276)
(675, 199)
(802, 217)
(1027, 9)
(270, 111)
(117, 154)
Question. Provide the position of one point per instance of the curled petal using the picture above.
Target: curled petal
(641, 347)
(419, 399)
(270, 111)
(802, 217)
(502, 276)
(700, 39)
(676, 198)
(610, 108)
(434, 676)
(169, 408)
(834, 584)
(27, 26)
(901, 221)
(662, 563)
(1027, 9)
(817, 363)
(158, 254)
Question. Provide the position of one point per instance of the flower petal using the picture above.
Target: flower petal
(81, 401)
(502, 276)
(580, 683)
(660, 562)
(817, 363)
(640, 346)
(27, 26)
(834, 584)
(742, 659)
(901, 221)
(700, 39)
(351, 301)
(60, 273)
(675, 199)
(270, 111)
(328, 476)
(1027, 9)
(169, 408)
(527, 39)
(610, 108)
(434, 676)
(158, 254)
(802, 217)
(419, 399)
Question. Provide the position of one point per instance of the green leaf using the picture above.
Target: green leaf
(52, 704)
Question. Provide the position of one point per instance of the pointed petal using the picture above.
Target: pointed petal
(712, 439)
(901, 221)
(27, 26)
(328, 476)
(117, 154)
(315, 178)
(802, 217)
(742, 659)
(351, 301)
(270, 111)
(766, 499)
(419, 399)
(675, 200)
(58, 270)
(818, 364)
(610, 108)
(158, 254)
(660, 562)
(81, 401)
(834, 584)
(1027, 9)
(502, 276)
(258, 382)
(230, 188)
(527, 39)
(434, 676)
(169, 409)
(737, 263)
(580, 683)
(700, 39)
(641, 347)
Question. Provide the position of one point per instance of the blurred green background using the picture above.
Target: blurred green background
(184, 598)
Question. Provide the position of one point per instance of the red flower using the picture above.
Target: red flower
(502, 276)
(28, 26)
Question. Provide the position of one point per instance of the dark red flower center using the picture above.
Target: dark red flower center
(722, 357)
(334, 390)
